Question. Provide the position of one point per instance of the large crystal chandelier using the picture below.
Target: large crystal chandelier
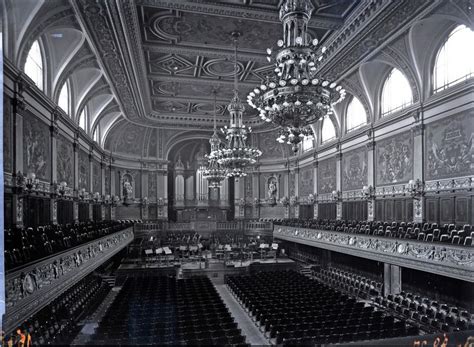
(214, 172)
(293, 136)
(295, 96)
(236, 156)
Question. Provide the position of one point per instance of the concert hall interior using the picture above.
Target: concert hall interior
(237, 172)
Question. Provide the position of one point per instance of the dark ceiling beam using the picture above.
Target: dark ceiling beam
(236, 11)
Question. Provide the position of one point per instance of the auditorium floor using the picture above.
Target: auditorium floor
(253, 335)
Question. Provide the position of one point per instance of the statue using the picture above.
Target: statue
(127, 189)
(272, 189)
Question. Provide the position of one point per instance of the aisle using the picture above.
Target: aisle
(253, 335)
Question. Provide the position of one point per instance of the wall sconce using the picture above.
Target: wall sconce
(144, 201)
(107, 199)
(368, 191)
(161, 202)
(82, 194)
(60, 188)
(115, 200)
(293, 200)
(285, 201)
(96, 197)
(336, 195)
(415, 188)
(311, 198)
(31, 182)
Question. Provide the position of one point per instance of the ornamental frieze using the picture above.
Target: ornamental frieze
(30, 288)
(444, 259)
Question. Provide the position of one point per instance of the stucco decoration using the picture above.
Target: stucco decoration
(271, 149)
(65, 157)
(306, 182)
(129, 139)
(36, 147)
(83, 170)
(153, 144)
(107, 181)
(7, 135)
(354, 169)
(449, 147)
(394, 159)
(152, 185)
(327, 176)
(96, 177)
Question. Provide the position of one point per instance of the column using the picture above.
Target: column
(54, 175)
(286, 179)
(17, 119)
(296, 207)
(338, 185)
(315, 189)
(371, 179)
(102, 192)
(76, 177)
(392, 279)
(91, 181)
(239, 212)
(256, 194)
(418, 202)
(144, 193)
(113, 193)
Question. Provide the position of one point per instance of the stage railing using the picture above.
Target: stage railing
(204, 225)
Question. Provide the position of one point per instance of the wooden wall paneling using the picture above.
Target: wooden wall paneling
(398, 210)
(409, 209)
(389, 210)
(462, 209)
(432, 210)
(379, 209)
(446, 208)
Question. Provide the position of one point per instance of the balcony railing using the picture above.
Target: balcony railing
(30, 288)
(442, 259)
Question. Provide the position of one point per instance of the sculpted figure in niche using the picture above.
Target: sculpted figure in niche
(272, 189)
(127, 189)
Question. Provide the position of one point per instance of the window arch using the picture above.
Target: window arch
(355, 115)
(396, 93)
(328, 131)
(307, 143)
(34, 65)
(83, 119)
(455, 59)
(64, 98)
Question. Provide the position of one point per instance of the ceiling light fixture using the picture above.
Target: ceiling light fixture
(236, 157)
(295, 96)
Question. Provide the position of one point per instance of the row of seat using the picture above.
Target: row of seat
(291, 307)
(427, 232)
(25, 245)
(441, 317)
(162, 310)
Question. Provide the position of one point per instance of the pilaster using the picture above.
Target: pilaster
(315, 188)
(371, 177)
(338, 184)
(418, 174)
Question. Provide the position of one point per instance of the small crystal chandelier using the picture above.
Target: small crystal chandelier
(293, 136)
(214, 172)
(295, 96)
(236, 156)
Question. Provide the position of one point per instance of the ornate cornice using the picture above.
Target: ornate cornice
(442, 259)
(31, 288)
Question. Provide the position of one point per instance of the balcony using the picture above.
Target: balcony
(32, 287)
(441, 259)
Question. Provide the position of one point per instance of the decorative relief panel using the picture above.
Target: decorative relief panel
(83, 170)
(65, 161)
(129, 140)
(152, 185)
(306, 182)
(153, 144)
(327, 176)
(35, 286)
(96, 177)
(107, 181)
(449, 147)
(292, 183)
(271, 149)
(394, 159)
(354, 169)
(7, 135)
(444, 259)
(36, 147)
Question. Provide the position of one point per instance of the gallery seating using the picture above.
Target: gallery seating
(162, 310)
(294, 309)
(26, 245)
(427, 232)
(56, 324)
(440, 317)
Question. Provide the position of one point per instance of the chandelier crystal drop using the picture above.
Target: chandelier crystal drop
(294, 136)
(214, 172)
(236, 156)
(295, 96)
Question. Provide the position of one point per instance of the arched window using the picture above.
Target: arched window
(396, 92)
(328, 131)
(96, 135)
(307, 143)
(83, 119)
(34, 64)
(455, 60)
(355, 115)
(63, 100)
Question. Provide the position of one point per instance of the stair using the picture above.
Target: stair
(306, 270)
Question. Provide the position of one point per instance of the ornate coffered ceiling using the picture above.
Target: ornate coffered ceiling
(164, 58)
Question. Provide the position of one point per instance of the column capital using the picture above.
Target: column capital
(417, 130)
(315, 164)
(370, 145)
(339, 155)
